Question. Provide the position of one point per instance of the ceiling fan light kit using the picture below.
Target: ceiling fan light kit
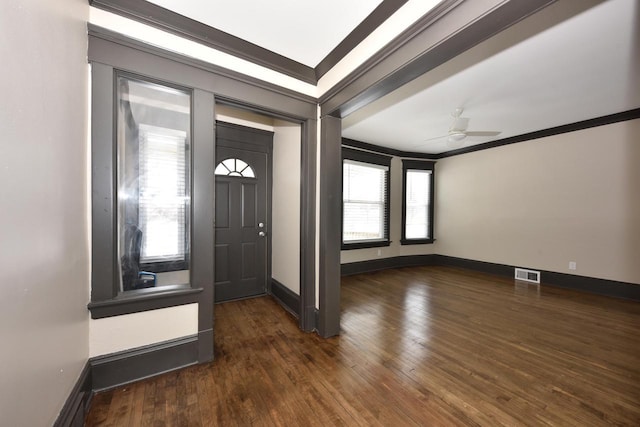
(456, 136)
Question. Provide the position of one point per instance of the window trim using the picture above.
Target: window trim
(374, 159)
(106, 298)
(417, 165)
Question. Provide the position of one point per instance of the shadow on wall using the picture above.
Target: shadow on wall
(632, 245)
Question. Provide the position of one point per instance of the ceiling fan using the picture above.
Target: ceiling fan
(458, 129)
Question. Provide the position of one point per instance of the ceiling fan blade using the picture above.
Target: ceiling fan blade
(424, 142)
(483, 133)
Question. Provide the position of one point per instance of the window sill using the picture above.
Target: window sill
(365, 245)
(417, 241)
(144, 300)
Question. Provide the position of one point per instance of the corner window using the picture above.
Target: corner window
(365, 199)
(417, 202)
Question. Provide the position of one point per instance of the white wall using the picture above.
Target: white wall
(285, 227)
(44, 249)
(113, 334)
(543, 203)
(395, 226)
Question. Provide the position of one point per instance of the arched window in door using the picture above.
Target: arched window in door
(234, 167)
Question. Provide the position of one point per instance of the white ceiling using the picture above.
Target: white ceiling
(560, 66)
(303, 30)
(574, 60)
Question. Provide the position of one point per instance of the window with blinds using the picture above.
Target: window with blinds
(417, 209)
(163, 194)
(365, 200)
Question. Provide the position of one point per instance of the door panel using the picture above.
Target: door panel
(241, 205)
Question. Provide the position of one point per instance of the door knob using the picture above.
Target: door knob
(261, 234)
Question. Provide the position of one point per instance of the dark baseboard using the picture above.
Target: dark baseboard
(76, 407)
(371, 265)
(286, 298)
(127, 366)
(470, 264)
(593, 285)
(205, 346)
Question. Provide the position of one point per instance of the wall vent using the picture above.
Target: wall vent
(527, 275)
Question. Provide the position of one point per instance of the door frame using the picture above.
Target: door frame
(308, 319)
(250, 146)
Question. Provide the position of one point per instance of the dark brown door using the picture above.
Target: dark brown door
(242, 216)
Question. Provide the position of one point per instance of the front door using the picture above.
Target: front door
(242, 211)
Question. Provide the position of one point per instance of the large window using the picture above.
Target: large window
(417, 202)
(365, 199)
(153, 138)
(143, 152)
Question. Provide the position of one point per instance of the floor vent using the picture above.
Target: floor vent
(528, 275)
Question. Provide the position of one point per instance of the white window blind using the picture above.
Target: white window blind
(417, 197)
(163, 194)
(364, 201)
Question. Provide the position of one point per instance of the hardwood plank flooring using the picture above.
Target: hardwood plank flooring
(423, 346)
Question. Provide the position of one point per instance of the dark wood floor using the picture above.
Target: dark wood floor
(429, 346)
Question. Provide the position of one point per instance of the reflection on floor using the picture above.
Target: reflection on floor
(419, 346)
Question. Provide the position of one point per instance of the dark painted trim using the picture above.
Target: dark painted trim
(166, 20)
(205, 342)
(159, 17)
(77, 404)
(610, 288)
(470, 264)
(103, 184)
(143, 300)
(572, 127)
(417, 165)
(308, 226)
(405, 58)
(202, 214)
(593, 285)
(379, 15)
(231, 88)
(288, 299)
(346, 142)
(368, 266)
(127, 366)
(330, 226)
(366, 157)
(98, 52)
(365, 244)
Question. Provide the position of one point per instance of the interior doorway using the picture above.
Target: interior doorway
(284, 227)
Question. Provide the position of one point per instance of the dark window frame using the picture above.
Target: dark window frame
(417, 165)
(374, 159)
(106, 298)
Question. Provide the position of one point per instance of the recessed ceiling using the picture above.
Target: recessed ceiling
(305, 31)
(569, 62)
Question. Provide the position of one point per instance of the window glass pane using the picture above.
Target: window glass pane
(364, 201)
(153, 213)
(234, 167)
(417, 204)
